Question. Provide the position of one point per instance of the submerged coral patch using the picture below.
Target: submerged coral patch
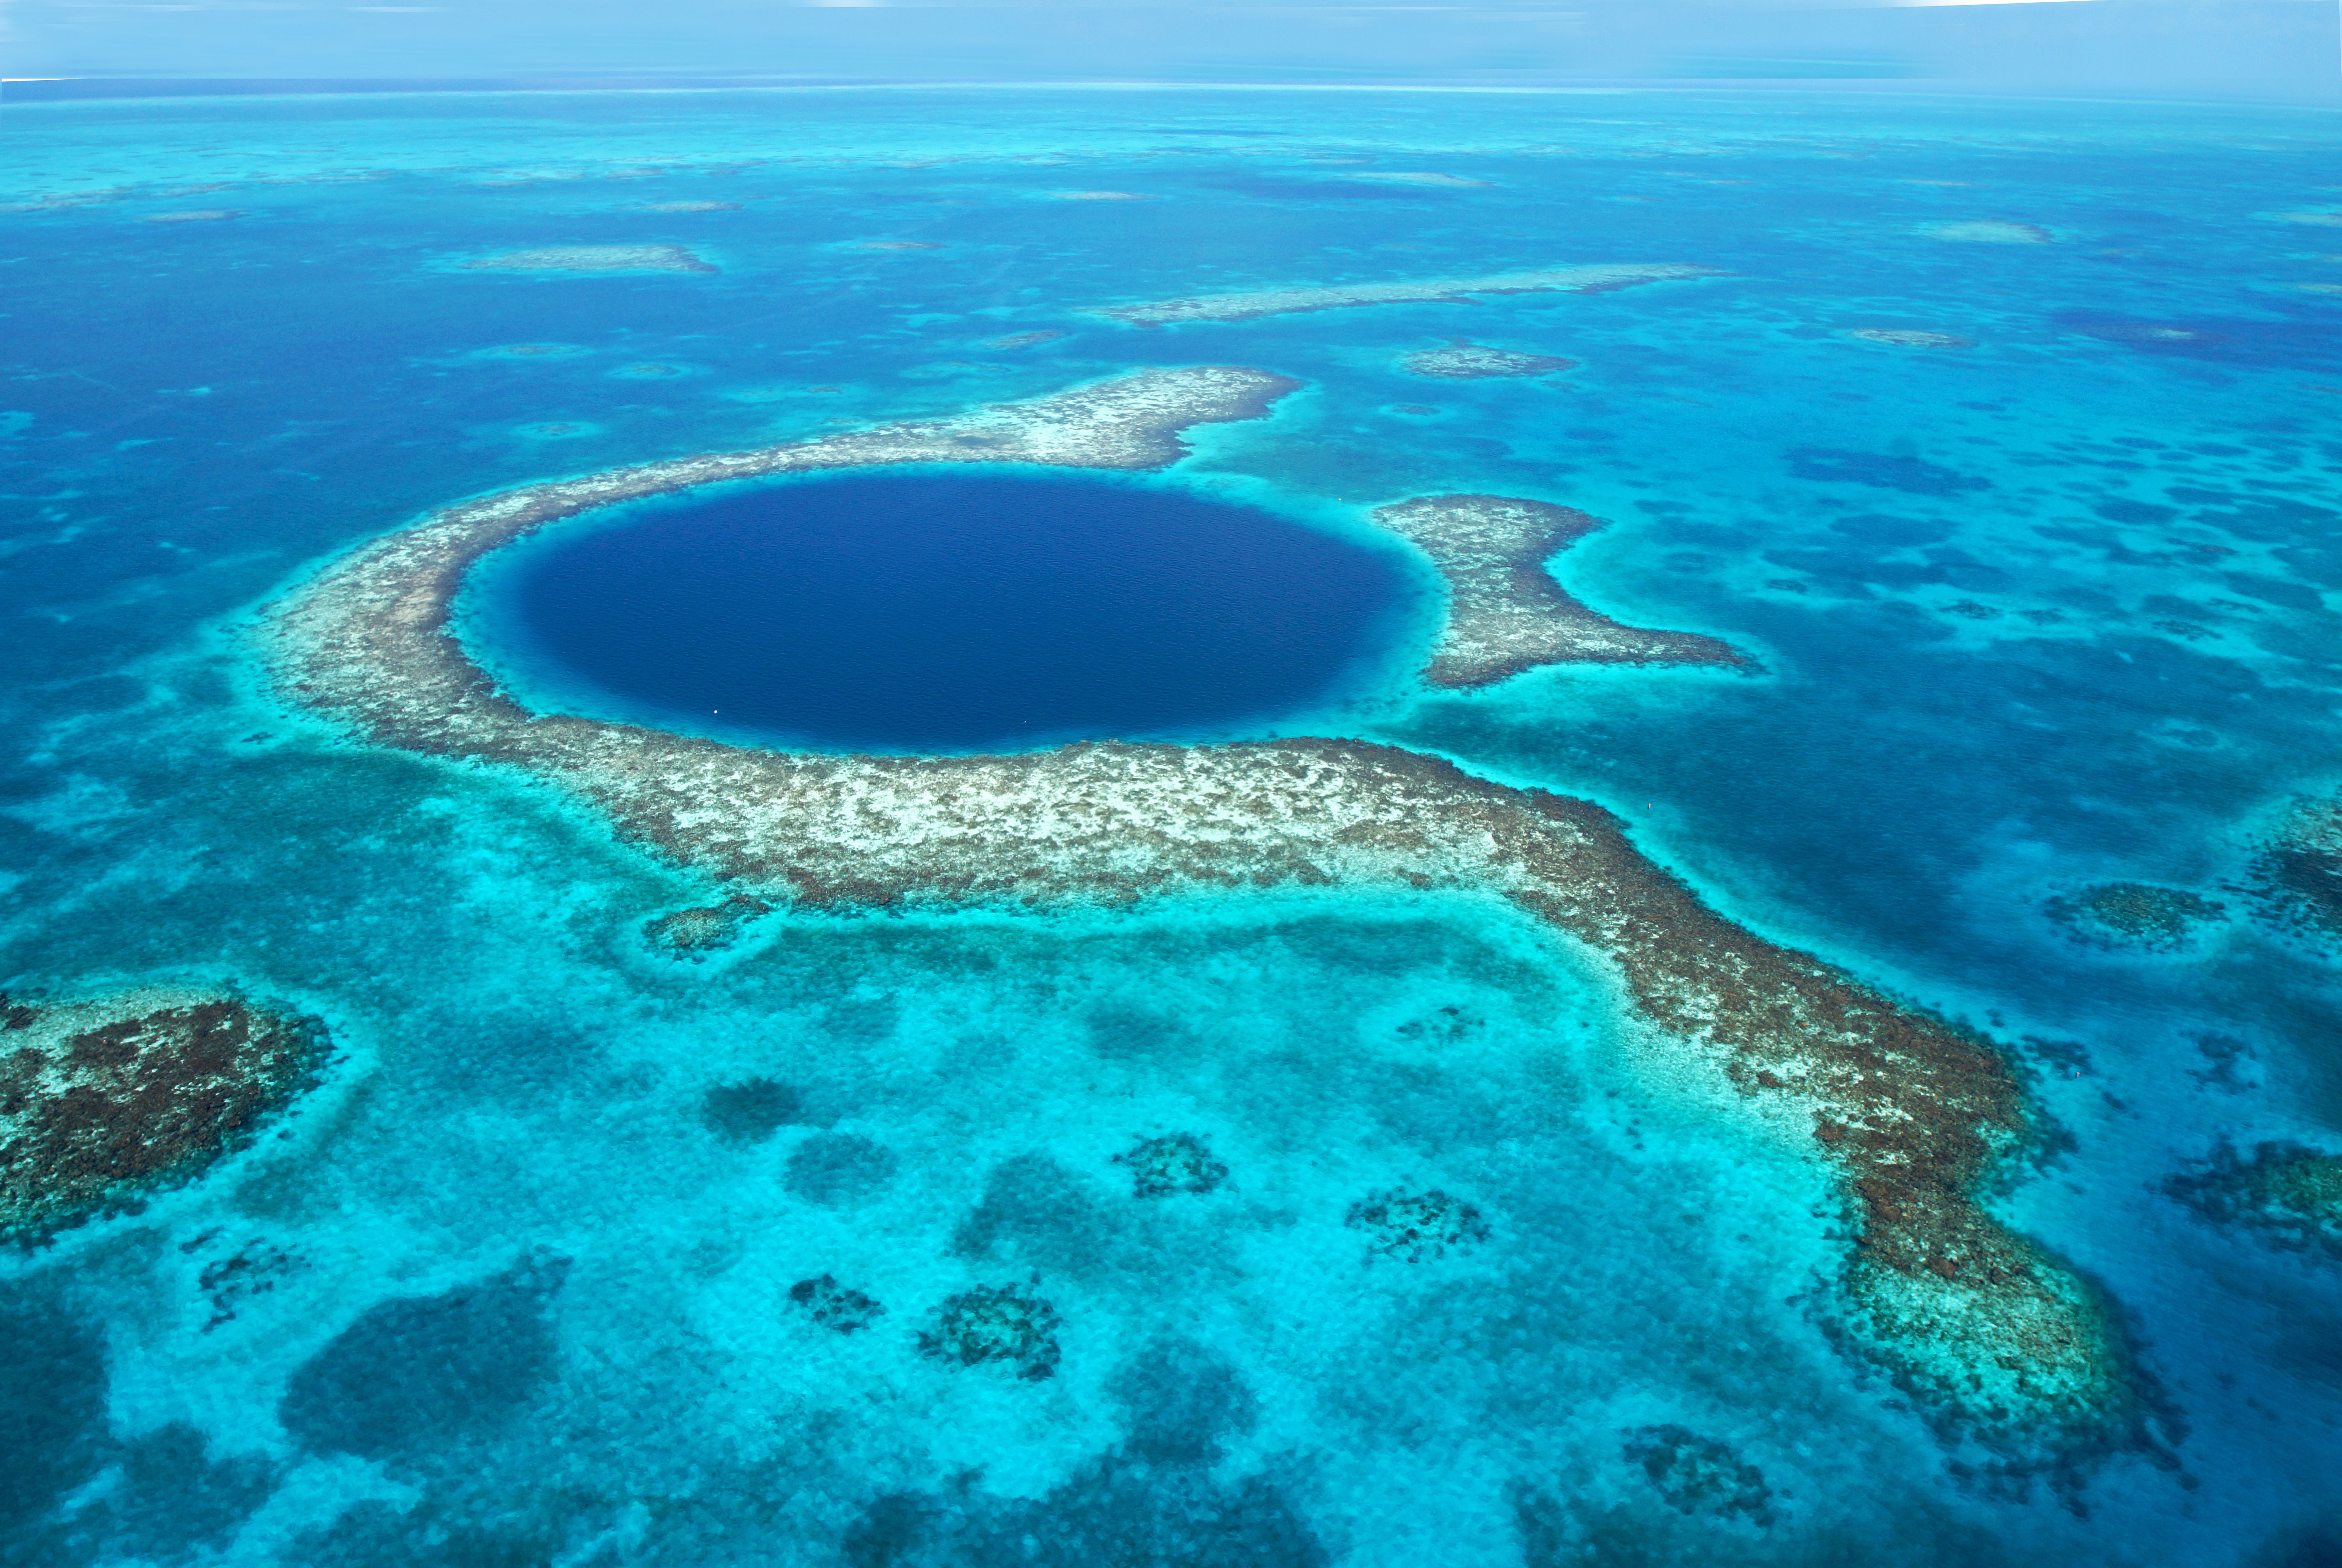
(1695, 1474)
(2296, 877)
(1909, 337)
(1465, 361)
(1988, 231)
(106, 1100)
(2133, 914)
(833, 1306)
(1415, 1227)
(1172, 1163)
(2286, 1194)
(1001, 1325)
(1598, 279)
(748, 1112)
(593, 258)
(694, 933)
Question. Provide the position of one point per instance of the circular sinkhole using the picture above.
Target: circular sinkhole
(939, 613)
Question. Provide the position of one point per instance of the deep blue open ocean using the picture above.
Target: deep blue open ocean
(2049, 610)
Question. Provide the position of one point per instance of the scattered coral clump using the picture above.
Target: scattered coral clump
(1696, 1474)
(834, 1307)
(2289, 1195)
(1175, 1163)
(994, 1324)
(1909, 337)
(2133, 914)
(695, 933)
(103, 1101)
(1463, 361)
(594, 258)
(2297, 875)
(1414, 1227)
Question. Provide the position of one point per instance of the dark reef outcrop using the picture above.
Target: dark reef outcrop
(2288, 1195)
(1175, 1163)
(994, 1324)
(1913, 1119)
(2133, 915)
(107, 1099)
(1506, 613)
(2296, 878)
(1415, 1227)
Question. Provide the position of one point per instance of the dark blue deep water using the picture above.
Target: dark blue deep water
(943, 612)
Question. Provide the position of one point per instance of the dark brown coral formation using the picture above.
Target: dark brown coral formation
(103, 1101)
(1506, 613)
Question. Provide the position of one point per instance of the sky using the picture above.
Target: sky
(2289, 49)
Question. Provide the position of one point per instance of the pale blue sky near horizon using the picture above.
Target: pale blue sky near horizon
(2279, 49)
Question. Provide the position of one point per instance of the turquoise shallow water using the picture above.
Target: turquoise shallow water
(2044, 611)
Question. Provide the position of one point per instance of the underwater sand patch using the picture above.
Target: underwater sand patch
(593, 258)
(206, 214)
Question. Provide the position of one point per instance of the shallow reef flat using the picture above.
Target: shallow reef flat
(593, 258)
(107, 1099)
(1600, 279)
(1506, 613)
(1913, 1118)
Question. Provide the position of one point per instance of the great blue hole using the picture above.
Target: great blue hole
(953, 612)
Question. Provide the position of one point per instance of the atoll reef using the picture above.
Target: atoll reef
(1912, 1117)
(103, 1101)
(1463, 361)
(593, 258)
(2296, 878)
(834, 1307)
(1908, 337)
(2134, 915)
(1506, 612)
(2288, 1195)
(1988, 231)
(1600, 279)
(1173, 1163)
(990, 1325)
(1415, 1227)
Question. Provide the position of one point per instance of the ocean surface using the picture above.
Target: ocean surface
(2044, 609)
